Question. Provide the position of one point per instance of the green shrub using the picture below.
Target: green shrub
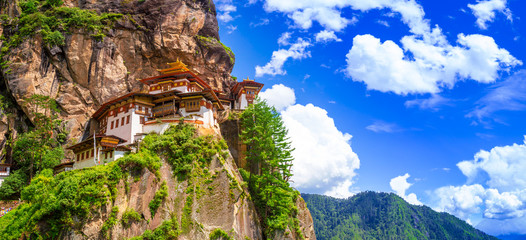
(169, 230)
(220, 234)
(110, 222)
(129, 216)
(159, 197)
(54, 38)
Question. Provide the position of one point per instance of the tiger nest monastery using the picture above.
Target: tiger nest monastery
(177, 94)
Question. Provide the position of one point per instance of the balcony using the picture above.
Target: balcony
(164, 110)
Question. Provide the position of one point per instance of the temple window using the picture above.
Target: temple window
(122, 121)
(128, 119)
(192, 106)
(112, 124)
(117, 123)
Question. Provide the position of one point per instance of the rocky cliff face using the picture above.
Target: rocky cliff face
(86, 72)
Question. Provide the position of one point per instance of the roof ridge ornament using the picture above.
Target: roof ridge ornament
(175, 67)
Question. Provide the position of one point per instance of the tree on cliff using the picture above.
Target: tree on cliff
(269, 159)
(35, 150)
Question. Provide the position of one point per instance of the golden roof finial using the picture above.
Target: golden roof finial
(175, 67)
(248, 79)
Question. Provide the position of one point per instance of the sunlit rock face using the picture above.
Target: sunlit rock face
(85, 73)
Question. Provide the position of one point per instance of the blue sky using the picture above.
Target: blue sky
(426, 99)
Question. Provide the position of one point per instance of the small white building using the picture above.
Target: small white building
(5, 170)
(90, 152)
(244, 93)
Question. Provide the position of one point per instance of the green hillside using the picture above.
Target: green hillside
(371, 215)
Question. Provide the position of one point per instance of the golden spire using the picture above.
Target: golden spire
(175, 67)
(248, 79)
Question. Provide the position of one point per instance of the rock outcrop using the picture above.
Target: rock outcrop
(218, 206)
(85, 72)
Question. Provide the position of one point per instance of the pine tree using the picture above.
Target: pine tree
(269, 159)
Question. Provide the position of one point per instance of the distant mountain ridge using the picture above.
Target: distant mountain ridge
(371, 215)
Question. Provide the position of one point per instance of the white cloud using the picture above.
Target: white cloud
(502, 206)
(279, 96)
(303, 13)
(496, 189)
(326, 36)
(485, 10)
(428, 60)
(435, 64)
(431, 103)
(262, 22)
(283, 40)
(275, 66)
(342, 190)
(381, 126)
(505, 167)
(461, 201)
(509, 95)
(328, 13)
(382, 22)
(382, 67)
(231, 28)
(400, 185)
(225, 10)
(324, 160)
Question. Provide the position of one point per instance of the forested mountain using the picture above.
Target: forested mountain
(371, 215)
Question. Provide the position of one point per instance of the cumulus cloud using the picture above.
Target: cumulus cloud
(485, 10)
(496, 188)
(327, 36)
(225, 8)
(296, 51)
(324, 160)
(435, 64)
(461, 201)
(342, 190)
(504, 166)
(509, 95)
(381, 126)
(279, 96)
(400, 185)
